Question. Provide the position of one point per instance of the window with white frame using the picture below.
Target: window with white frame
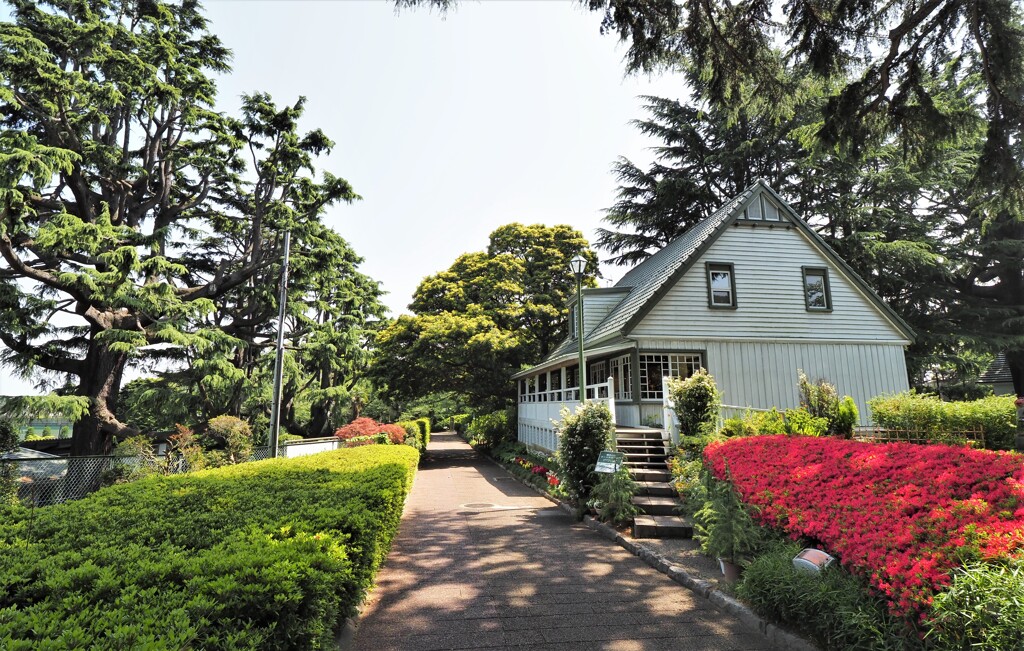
(654, 367)
(721, 285)
(572, 322)
(597, 373)
(622, 377)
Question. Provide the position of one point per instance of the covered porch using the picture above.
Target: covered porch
(630, 382)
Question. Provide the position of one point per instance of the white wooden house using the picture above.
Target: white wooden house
(751, 293)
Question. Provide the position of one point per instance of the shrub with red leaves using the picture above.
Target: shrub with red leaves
(369, 427)
(902, 515)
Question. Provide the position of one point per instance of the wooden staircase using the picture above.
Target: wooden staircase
(645, 453)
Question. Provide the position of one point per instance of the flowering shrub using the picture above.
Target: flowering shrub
(369, 427)
(902, 515)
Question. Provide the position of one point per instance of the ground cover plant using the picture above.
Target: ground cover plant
(902, 515)
(264, 555)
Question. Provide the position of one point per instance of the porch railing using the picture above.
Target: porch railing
(540, 413)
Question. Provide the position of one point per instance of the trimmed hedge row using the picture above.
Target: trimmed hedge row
(996, 415)
(264, 555)
(420, 428)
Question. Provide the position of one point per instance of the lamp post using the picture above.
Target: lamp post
(275, 407)
(578, 265)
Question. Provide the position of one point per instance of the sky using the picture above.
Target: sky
(447, 126)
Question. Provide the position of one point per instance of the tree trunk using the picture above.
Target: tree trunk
(101, 383)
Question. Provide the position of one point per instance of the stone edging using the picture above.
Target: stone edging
(776, 636)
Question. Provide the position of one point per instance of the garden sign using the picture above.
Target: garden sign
(608, 462)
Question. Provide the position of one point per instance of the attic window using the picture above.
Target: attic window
(721, 286)
(817, 296)
(762, 208)
(572, 322)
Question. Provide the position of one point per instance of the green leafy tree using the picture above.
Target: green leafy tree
(129, 208)
(483, 318)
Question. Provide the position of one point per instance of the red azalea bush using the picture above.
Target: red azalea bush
(369, 427)
(903, 515)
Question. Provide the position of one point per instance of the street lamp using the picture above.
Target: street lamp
(275, 407)
(578, 265)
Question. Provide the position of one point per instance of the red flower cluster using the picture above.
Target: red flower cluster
(370, 427)
(903, 515)
(538, 470)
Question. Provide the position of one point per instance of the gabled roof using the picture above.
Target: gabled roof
(997, 371)
(650, 280)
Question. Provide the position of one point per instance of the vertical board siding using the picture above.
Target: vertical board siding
(769, 294)
(764, 374)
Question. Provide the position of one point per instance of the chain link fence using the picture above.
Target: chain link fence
(51, 480)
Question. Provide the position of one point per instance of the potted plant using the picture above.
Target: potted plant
(725, 529)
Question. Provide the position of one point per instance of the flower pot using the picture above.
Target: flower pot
(731, 571)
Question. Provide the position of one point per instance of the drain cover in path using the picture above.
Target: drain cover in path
(479, 505)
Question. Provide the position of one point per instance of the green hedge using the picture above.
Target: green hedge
(491, 429)
(459, 422)
(420, 428)
(264, 555)
(424, 424)
(996, 415)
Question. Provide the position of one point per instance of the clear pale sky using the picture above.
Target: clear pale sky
(501, 111)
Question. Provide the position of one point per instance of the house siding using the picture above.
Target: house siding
(769, 294)
(597, 306)
(763, 374)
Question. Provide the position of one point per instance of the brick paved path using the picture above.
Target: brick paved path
(464, 574)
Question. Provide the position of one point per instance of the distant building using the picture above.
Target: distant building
(998, 375)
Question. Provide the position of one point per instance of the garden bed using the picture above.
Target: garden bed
(901, 515)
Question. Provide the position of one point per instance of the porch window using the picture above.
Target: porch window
(654, 367)
(522, 390)
(572, 381)
(542, 387)
(721, 286)
(556, 384)
(622, 378)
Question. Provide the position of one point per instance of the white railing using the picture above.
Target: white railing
(539, 413)
(672, 423)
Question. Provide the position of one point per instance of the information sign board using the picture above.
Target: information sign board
(608, 462)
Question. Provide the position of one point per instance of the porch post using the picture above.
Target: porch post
(668, 415)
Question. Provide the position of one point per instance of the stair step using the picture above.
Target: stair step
(646, 465)
(656, 505)
(662, 488)
(643, 456)
(661, 526)
(649, 475)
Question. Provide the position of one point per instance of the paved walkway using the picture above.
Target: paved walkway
(483, 562)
